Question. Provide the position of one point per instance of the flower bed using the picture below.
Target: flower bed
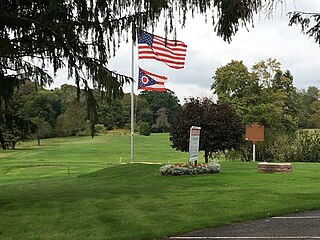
(184, 169)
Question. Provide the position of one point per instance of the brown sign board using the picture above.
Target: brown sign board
(254, 132)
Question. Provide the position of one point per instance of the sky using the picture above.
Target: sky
(269, 38)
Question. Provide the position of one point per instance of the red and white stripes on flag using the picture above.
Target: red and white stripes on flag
(151, 81)
(171, 52)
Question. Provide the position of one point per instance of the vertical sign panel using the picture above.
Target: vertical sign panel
(194, 143)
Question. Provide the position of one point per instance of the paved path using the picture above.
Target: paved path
(295, 226)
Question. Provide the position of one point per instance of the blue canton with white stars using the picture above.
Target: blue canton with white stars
(144, 37)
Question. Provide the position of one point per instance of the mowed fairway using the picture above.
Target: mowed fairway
(102, 199)
(79, 155)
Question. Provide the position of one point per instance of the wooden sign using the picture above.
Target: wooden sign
(254, 132)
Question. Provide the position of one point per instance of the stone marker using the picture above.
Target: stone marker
(265, 167)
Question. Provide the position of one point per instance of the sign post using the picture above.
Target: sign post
(194, 143)
(254, 151)
(254, 133)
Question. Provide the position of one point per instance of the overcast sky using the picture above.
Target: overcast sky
(270, 38)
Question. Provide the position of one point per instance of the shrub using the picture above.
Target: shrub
(307, 146)
(100, 128)
(145, 129)
(232, 155)
(282, 149)
(303, 147)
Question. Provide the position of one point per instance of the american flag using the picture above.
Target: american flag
(151, 81)
(171, 52)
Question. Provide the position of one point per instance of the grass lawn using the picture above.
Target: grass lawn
(82, 155)
(102, 199)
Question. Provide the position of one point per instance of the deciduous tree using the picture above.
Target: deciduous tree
(306, 101)
(221, 128)
(162, 123)
(233, 83)
(265, 95)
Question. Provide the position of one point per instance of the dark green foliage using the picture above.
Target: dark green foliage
(145, 129)
(315, 117)
(309, 22)
(157, 100)
(72, 121)
(143, 110)
(14, 129)
(110, 115)
(221, 129)
(308, 101)
(43, 104)
(44, 129)
(60, 112)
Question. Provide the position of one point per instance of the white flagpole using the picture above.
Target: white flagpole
(132, 104)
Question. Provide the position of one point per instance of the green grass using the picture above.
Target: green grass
(133, 201)
(82, 155)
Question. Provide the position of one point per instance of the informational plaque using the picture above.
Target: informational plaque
(254, 133)
(194, 143)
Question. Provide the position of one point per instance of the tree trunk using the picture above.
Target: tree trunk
(3, 145)
(206, 156)
(38, 141)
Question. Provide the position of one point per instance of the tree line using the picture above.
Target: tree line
(62, 112)
(264, 95)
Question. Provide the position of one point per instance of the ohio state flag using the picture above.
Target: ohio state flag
(151, 81)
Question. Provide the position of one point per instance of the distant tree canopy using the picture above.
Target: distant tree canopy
(158, 100)
(221, 128)
(60, 112)
(309, 107)
(265, 95)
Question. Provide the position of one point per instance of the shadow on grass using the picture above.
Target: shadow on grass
(20, 149)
